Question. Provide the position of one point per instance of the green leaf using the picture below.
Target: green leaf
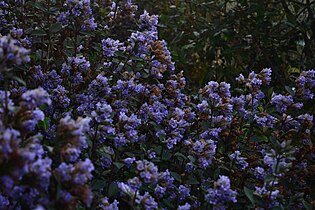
(275, 142)
(56, 27)
(278, 207)
(97, 184)
(38, 6)
(43, 124)
(166, 155)
(289, 90)
(118, 165)
(169, 204)
(269, 178)
(249, 194)
(113, 190)
(307, 205)
(188, 46)
(180, 155)
(191, 158)
(19, 80)
(176, 176)
(192, 180)
(39, 32)
(259, 138)
(291, 20)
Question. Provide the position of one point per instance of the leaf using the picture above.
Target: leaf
(191, 158)
(113, 190)
(43, 124)
(39, 6)
(293, 70)
(39, 32)
(97, 184)
(180, 155)
(55, 27)
(269, 178)
(307, 205)
(166, 155)
(188, 46)
(169, 203)
(289, 90)
(259, 139)
(118, 165)
(291, 20)
(176, 176)
(191, 180)
(275, 142)
(249, 194)
(278, 207)
(19, 80)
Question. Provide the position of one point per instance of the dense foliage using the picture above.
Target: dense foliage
(94, 115)
(218, 39)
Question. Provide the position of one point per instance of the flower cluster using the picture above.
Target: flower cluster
(94, 115)
(221, 193)
(81, 11)
(12, 53)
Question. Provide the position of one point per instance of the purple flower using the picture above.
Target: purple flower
(8, 136)
(103, 113)
(16, 32)
(106, 205)
(265, 76)
(59, 97)
(51, 80)
(89, 24)
(82, 171)
(272, 194)
(110, 46)
(189, 167)
(159, 191)
(66, 196)
(265, 120)
(304, 83)
(64, 171)
(42, 168)
(221, 194)
(120, 140)
(203, 106)
(198, 146)
(148, 171)
(35, 98)
(239, 161)
(11, 52)
(148, 21)
(187, 206)
(63, 17)
(4, 202)
(283, 102)
(147, 201)
(183, 192)
(259, 173)
(166, 178)
(129, 161)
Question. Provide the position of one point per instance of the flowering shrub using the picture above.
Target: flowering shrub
(95, 116)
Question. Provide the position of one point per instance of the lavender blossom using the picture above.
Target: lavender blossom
(110, 46)
(221, 194)
(11, 52)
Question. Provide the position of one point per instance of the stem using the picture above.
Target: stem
(6, 102)
(94, 144)
(161, 154)
(134, 199)
(273, 181)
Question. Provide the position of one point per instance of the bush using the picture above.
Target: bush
(218, 39)
(94, 115)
